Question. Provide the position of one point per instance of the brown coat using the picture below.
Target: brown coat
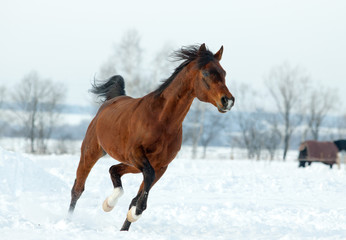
(319, 151)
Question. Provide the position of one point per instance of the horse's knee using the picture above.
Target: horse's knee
(115, 176)
(117, 171)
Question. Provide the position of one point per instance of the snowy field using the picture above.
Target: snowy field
(215, 198)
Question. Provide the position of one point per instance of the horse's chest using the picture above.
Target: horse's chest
(164, 149)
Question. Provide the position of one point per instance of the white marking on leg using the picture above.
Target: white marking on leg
(131, 214)
(112, 200)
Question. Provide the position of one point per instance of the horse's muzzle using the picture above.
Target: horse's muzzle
(227, 104)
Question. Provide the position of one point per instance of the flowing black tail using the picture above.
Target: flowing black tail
(114, 87)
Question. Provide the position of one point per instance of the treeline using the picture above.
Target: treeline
(298, 107)
(34, 110)
(292, 108)
(34, 106)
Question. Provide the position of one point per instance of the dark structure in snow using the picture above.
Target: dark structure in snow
(315, 151)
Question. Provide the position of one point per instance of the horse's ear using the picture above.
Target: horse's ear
(202, 48)
(218, 55)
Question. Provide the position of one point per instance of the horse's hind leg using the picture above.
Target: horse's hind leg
(90, 153)
(116, 171)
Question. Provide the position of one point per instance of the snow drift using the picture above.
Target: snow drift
(195, 199)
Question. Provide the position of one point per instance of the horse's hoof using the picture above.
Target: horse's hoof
(112, 200)
(131, 214)
(106, 207)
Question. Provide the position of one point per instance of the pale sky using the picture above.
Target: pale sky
(68, 40)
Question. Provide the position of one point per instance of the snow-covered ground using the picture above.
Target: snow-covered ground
(215, 198)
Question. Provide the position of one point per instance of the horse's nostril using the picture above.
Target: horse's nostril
(224, 101)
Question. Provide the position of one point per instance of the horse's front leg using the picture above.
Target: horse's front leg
(139, 203)
(116, 172)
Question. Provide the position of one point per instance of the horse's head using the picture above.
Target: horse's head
(210, 83)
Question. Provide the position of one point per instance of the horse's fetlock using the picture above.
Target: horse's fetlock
(142, 207)
(139, 211)
(133, 214)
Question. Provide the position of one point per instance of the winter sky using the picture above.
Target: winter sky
(68, 41)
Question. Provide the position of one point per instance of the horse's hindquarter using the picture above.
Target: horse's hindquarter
(126, 126)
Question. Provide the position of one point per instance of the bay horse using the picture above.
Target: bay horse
(145, 134)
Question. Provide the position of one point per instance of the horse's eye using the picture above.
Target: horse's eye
(205, 73)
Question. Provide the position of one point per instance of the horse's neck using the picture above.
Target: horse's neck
(177, 99)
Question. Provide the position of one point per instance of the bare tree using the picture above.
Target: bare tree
(321, 102)
(249, 120)
(255, 134)
(50, 112)
(161, 68)
(64, 144)
(187, 131)
(126, 60)
(201, 127)
(272, 135)
(287, 87)
(258, 129)
(197, 127)
(248, 117)
(37, 108)
(194, 126)
(211, 129)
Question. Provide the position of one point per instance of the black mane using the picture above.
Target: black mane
(187, 53)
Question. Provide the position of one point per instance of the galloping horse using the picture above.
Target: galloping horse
(145, 134)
